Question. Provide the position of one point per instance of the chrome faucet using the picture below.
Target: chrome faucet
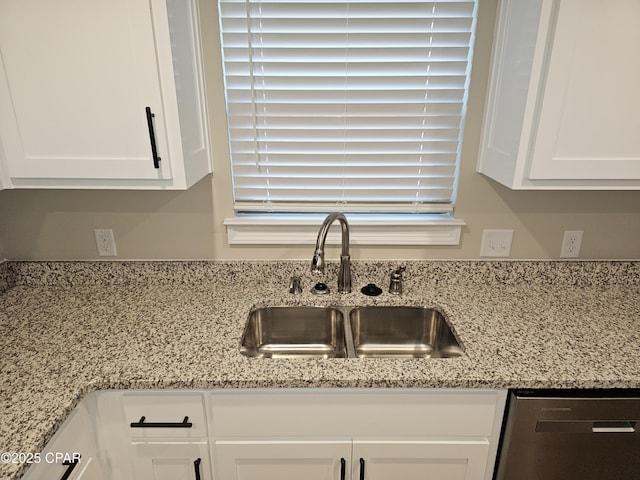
(317, 264)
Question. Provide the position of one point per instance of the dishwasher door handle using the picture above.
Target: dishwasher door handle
(613, 427)
(585, 426)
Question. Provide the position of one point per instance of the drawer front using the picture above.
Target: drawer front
(164, 415)
(256, 413)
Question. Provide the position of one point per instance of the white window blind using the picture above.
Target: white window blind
(349, 105)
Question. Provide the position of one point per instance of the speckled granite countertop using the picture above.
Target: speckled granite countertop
(67, 329)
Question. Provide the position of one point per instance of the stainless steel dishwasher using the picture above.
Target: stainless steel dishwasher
(571, 435)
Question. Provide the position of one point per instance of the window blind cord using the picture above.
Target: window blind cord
(264, 110)
(418, 199)
(342, 203)
(252, 91)
(262, 169)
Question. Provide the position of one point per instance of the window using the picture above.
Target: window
(355, 106)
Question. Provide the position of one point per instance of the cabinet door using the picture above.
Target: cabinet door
(283, 460)
(71, 453)
(418, 460)
(171, 461)
(589, 119)
(76, 77)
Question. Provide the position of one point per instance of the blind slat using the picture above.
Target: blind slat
(364, 69)
(355, 123)
(337, 135)
(351, 159)
(388, 110)
(328, 40)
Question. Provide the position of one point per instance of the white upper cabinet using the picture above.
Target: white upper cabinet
(563, 109)
(86, 84)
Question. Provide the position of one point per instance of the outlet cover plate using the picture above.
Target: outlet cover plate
(105, 243)
(496, 243)
(571, 243)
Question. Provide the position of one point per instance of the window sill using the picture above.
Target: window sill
(364, 230)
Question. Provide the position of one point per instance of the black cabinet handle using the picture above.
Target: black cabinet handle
(70, 466)
(152, 137)
(196, 467)
(343, 468)
(142, 424)
(362, 469)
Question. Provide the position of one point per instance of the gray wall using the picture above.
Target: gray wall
(48, 224)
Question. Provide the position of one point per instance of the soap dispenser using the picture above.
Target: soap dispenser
(395, 287)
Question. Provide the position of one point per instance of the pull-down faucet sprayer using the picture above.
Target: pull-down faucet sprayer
(317, 264)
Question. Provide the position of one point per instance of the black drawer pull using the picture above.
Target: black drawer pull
(70, 466)
(362, 469)
(343, 468)
(196, 467)
(142, 424)
(152, 137)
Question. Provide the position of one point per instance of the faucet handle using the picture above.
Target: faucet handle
(295, 285)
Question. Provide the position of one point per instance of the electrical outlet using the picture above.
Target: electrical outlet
(105, 242)
(571, 244)
(496, 243)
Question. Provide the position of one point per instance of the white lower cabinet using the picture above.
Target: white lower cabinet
(281, 434)
(154, 435)
(72, 452)
(344, 460)
(420, 459)
(282, 460)
(355, 434)
(170, 460)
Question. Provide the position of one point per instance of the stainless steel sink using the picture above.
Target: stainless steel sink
(412, 332)
(339, 332)
(278, 332)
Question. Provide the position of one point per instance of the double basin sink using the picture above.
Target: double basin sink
(342, 332)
